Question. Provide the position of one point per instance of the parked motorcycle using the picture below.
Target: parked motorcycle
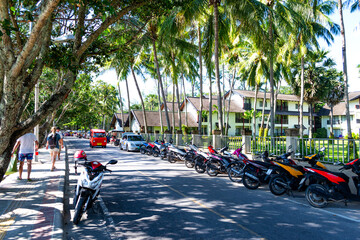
(332, 186)
(219, 163)
(176, 154)
(291, 177)
(260, 172)
(89, 183)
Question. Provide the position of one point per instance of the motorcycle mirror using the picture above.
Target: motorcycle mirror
(290, 147)
(297, 154)
(112, 162)
(322, 149)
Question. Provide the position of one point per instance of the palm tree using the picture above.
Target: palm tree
(345, 74)
(154, 37)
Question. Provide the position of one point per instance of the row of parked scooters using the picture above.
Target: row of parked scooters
(283, 175)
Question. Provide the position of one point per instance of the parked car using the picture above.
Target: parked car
(131, 142)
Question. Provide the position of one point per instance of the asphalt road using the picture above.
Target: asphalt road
(149, 198)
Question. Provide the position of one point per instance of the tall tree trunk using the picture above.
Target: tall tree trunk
(141, 99)
(331, 120)
(217, 71)
(311, 120)
(186, 114)
(263, 112)
(128, 97)
(210, 104)
(254, 114)
(271, 63)
(178, 103)
(121, 108)
(159, 109)
(201, 81)
(223, 93)
(173, 109)
(302, 90)
(160, 82)
(230, 94)
(342, 28)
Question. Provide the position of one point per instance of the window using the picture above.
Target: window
(204, 118)
(204, 130)
(238, 118)
(297, 106)
(247, 104)
(99, 135)
(238, 131)
(281, 119)
(262, 102)
(135, 138)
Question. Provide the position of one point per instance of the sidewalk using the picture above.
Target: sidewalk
(34, 210)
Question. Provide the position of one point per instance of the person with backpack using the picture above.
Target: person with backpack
(54, 142)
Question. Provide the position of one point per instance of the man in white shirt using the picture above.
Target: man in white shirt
(26, 151)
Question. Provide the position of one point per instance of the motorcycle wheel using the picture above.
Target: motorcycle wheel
(189, 163)
(79, 210)
(199, 167)
(235, 172)
(163, 155)
(212, 168)
(149, 151)
(248, 182)
(276, 185)
(315, 199)
(142, 150)
(171, 158)
(156, 152)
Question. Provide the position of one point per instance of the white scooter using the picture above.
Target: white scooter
(89, 183)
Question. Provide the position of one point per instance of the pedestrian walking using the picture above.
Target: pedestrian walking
(26, 143)
(55, 143)
(61, 135)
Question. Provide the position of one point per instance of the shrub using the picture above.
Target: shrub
(321, 133)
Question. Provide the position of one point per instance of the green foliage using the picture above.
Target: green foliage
(185, 129)
(321, 133)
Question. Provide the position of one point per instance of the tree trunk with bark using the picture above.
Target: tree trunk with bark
(200, 79)
(345, 74)
(141, 99)
(217, 71)
(302, 90)
(160, 81)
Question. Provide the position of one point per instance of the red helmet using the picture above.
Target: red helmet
(80, 154)
(211, 149)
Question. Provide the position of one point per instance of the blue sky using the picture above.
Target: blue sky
(352, 31)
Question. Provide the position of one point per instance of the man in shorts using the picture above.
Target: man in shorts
(26, 151)
(55, 143)
(61, 136)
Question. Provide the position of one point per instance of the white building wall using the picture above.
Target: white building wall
(135, 126)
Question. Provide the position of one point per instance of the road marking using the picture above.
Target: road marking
(4, 226)
(324, 211)
(203, 206)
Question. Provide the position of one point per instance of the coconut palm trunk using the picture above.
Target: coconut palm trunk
(217, 70)
(200, 79)
(178, 104)
(141, 99)
(254, 113)
(159, 109)
(271, 67)
(121, 108)
(128, 98)
(173, 109)
(230, 94)
(302, 98)
(160, 82)
(263, 112)
(331, 120)
(342, 28)
(210, 104)
(186, 114)
(311, 120)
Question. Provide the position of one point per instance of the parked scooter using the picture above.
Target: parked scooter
(332, 186)
(89, 183)
(291, 177)
(176, 154)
